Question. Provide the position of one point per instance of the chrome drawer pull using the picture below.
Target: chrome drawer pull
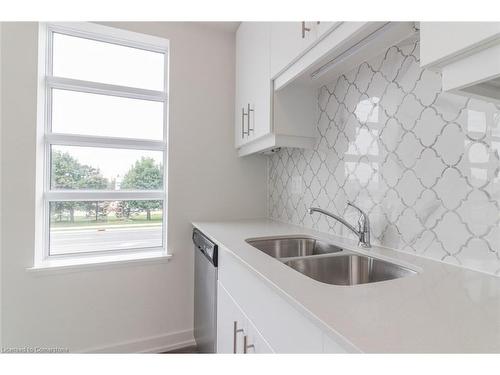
(246, 346)
(248, 113)
(235, 336)
(243, 114)
(304, 29)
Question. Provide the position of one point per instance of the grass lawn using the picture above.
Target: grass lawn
(82, 221)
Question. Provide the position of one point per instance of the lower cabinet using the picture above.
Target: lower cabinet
(251, 312)
(235, 332)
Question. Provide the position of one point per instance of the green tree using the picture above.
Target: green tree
(68, 173)
(145, 174)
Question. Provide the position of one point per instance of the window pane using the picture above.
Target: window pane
(82, 113)
(75, 167)
(78, 227)
(91, 60)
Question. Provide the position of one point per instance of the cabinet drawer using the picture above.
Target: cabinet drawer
(283, 327)
(235, 330)
(230, 324)
(257, 344)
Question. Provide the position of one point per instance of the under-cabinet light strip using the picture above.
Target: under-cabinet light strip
(352, 50)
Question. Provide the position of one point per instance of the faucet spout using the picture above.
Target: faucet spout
(363, 233)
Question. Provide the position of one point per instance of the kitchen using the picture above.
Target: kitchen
(399, 158)
(250, 187)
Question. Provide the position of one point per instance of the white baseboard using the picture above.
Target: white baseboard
(153, 344)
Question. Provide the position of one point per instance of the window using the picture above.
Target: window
(104, 141)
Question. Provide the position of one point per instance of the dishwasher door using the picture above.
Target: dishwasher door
(205, 303)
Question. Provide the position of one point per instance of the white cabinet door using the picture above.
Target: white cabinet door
(288, 43)
(241, 89)
(445, 40)
(255, 342)
(331, 346)
(231, 323)
(285, 328)
(235, 332)
(253, 82)
(324, 28)
(259, 79)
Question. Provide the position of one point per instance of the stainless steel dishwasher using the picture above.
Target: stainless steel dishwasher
(205, 293)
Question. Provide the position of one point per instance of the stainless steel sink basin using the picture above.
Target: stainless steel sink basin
(287, 247)
(348, 269)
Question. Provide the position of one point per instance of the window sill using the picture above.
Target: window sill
(100, 262)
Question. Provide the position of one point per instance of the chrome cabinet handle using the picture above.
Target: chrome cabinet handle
(243, 114)
(248, 113)
(304, 29)
(236, 330)
(246, 346)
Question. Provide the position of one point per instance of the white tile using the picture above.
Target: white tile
(429, 167)
(409, 74)
(429, 126)
(447, 104)
(428, 87)
(364, 77)
(429, 209)
(323, 123)
(478, 256)
(391, 134)
(377, 86)
(409, 111)
(478, 212)
(452, 189)
(352, 98)
(452, 233)
(425, 164)
(323, 98)
(393, 60)
(392, 170)
(392, 99)
(409, 225)
(409, 188)
(450, 144)
(409, 150)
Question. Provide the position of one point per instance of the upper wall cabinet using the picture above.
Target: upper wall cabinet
(466, 53)
(261, 124)
(339, 47)
(281, 65)
(290, 39)
(253, 86)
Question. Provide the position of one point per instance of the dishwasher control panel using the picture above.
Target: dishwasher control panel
(206, 246)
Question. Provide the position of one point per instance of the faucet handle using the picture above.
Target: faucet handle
(363, 217)
(364, 226)
(349, 203)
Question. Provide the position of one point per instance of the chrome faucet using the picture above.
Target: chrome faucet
(363, 231)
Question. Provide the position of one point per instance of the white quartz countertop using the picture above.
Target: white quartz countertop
(443, 308)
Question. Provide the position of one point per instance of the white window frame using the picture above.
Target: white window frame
(47, 82)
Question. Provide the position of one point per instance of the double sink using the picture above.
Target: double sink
(328, 263)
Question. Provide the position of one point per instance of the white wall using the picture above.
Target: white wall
(108, 307)
(1, 167)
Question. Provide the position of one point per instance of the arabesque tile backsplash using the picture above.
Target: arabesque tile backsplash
(423, 163)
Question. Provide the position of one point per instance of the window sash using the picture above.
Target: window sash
(54, 82)
(50, 138)
(59, 139)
